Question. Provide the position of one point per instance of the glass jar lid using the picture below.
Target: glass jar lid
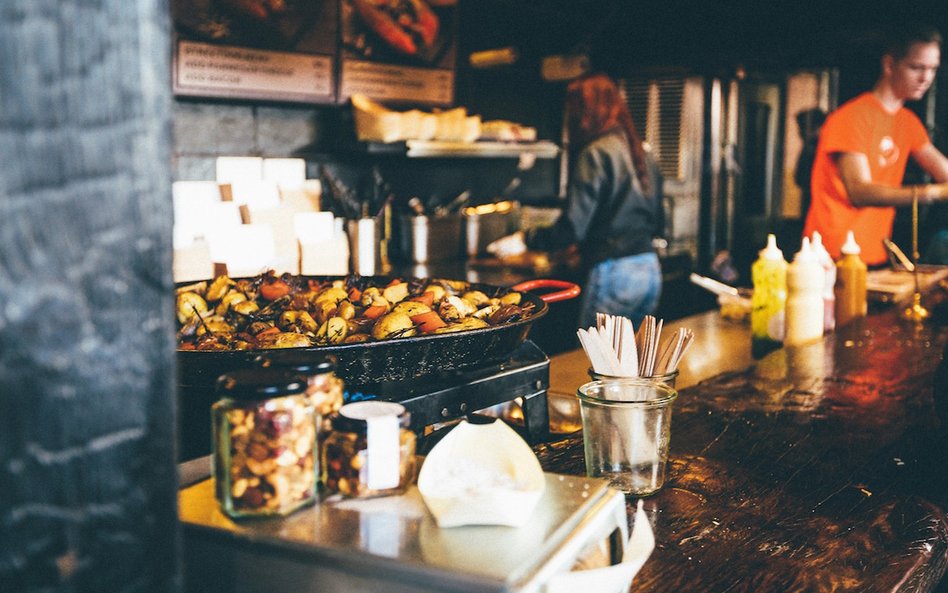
(355, 417)
(260, 383)
(304, 363)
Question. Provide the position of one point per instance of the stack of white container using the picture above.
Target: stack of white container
(257, 214)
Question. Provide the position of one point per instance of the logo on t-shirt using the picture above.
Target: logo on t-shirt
(888, 152)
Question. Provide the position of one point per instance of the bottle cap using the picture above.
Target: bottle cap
(806, 254)
(850, 247)
(298, 361)
(771, 252)
(260, 383)
(816, 244)
(355, 417)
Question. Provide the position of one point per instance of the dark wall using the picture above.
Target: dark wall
(88, 501)
(622, 37)
(206, 129)
(694, 34)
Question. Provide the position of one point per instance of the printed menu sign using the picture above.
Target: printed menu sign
(290, 50)
(398, 51)
(219, 70)
(384, 82)
(256, 49)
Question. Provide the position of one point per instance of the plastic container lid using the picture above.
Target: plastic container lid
(850, 247)
(304, 363)
(354, 417)
(260, 384)
(771, 252)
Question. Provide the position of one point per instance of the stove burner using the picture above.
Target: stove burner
(434, 399)
(431, 399)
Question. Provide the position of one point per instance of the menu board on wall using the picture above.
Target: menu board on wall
(398, 51)
(280, 50)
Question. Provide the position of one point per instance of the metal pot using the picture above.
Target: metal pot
(485, 224)
(431, 239)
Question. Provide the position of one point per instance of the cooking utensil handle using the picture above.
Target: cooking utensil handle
(570, 289)
(712, 285)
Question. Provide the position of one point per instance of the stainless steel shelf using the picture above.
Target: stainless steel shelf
(435, 148)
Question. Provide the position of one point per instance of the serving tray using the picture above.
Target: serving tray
(393, 544)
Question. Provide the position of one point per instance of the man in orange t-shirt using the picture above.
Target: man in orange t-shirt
(864, 148)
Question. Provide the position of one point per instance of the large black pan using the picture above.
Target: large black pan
(363, 364)
(402, 358)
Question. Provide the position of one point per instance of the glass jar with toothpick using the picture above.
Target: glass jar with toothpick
(626, 432)
(616, 351)
(665, 378)
(626, 408)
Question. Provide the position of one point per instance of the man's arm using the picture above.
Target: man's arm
(933, 161)
(855, 173)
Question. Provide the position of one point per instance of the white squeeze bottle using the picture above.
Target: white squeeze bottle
(804, 310)
(829, 281)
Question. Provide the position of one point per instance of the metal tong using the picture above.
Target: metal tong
(713, 285)
(454, 205)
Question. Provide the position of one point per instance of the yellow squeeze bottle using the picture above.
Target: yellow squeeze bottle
(769, 275)
(850, 283)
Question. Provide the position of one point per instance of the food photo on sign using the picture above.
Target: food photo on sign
(263, 24)
(398, 51)
(256, 49)
(398, 31)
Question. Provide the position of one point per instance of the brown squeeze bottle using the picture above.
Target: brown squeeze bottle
(850, 283)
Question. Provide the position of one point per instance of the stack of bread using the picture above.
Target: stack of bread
(377, 123)
(501, 130)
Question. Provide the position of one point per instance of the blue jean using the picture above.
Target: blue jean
(628, 286)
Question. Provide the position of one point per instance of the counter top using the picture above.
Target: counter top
(393, 544)
(487, 271)
(816, 468)
(719, 346)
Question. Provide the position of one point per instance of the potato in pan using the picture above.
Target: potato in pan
(287, 311)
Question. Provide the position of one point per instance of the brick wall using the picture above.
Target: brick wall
(89, 493)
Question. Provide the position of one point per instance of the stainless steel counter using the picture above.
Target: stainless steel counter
(394, 545)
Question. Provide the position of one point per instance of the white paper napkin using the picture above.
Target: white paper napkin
(481, 475)
(616, 578)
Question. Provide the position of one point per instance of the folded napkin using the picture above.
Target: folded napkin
(481, 475)
(616, 578)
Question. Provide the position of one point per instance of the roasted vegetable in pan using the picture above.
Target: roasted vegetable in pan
(287, 311)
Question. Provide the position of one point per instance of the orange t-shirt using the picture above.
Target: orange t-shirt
(861, 125)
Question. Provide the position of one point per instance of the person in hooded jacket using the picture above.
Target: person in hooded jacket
(613, 209)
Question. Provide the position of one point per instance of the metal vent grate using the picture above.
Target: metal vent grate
(656, 107)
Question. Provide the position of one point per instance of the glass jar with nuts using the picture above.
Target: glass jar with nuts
(325, 389)
(370, 451)
(264, 443)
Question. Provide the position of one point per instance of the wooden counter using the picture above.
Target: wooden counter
(719, 346)
(817, 468)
